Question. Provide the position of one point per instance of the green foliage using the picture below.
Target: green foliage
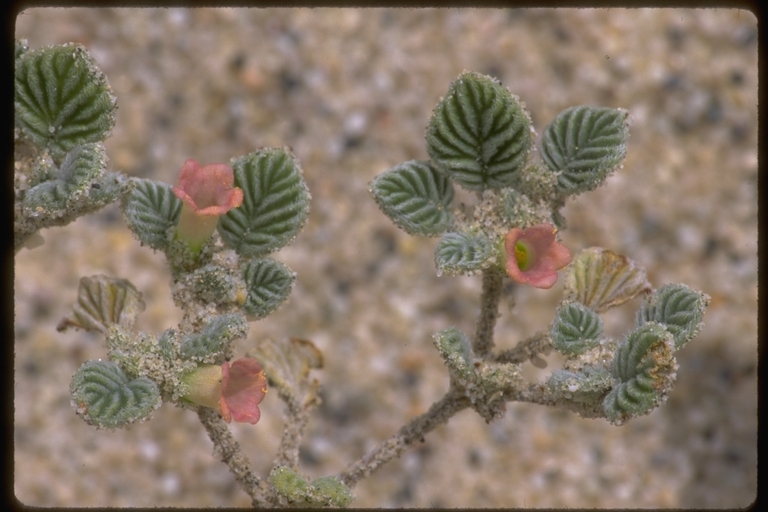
(601, 279)
(583, 145)
(678, 308)
(69, 186)
(214, 339)
(479, 134)
(62, 98)
(455, 349)
(268, 284)
(151, 210)
(275, 203)
(461, 252)
(416, 197)
(326, 491)
(644, 365)
(575, 329)
(585, 386)
(107, 399)
(104, 301)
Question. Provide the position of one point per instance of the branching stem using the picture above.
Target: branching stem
(440, 412)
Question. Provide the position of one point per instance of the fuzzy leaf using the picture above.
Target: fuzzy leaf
(287, 363)
(268, 284)
(585, 386)
(106, 398)
(416, 197)
(275, 203)
(575, 329)
(583, 145)
(62, 98)
(325, 491)
(151, 210)
(601, 279)
(103, 301)
(645, 367)
(479, 134)
(455, 349)
(678, 308)
(462, 252)
(214, 338)
(70, 186)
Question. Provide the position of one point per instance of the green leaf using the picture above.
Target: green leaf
(214, 339)
(106, 398)
(103, 301)
(601, 279)
(70, 185)
(461, 252)
(62, 98)
(151, 210)
(645, 367)
(575, 329)
(678, 308)
(325, 491)
(479, 134)
(585, 386)
(583, 145)
(268, 284)
(275, 203)
(416, 197)
(455, 349)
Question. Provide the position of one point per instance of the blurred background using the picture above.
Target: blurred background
(351, 91)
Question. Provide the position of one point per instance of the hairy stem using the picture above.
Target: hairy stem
(440, 412)
(527, 349)
(231, 455)
(482, 344)
(293, 430)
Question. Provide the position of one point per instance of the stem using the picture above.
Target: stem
(482, 344)
(527, 349)
(295, 421)
(231, 455)
(440, 412)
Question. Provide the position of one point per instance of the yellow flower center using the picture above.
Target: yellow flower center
(522, 255)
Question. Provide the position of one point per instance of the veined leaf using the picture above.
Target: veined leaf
(678, 308)
(275, 203)
(106, 398)
(601, 279)
(103, 301)
(62, 98)
(479, 134)
(268, 284)
(151, 209)
(575, 329)
(461, 252)
(645, 366)
(416, 197)
(215, 337)
(71, 184)
(583, 145)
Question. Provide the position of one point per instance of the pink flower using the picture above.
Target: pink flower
(236, 389)
(534, 256)
(207, 193)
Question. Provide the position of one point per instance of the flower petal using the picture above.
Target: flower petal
(243, 387)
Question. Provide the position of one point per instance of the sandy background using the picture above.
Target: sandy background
(351, 92)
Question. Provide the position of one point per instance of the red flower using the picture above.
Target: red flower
(207, 193)
(243, 386)
(236, 389)
(534, 256)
